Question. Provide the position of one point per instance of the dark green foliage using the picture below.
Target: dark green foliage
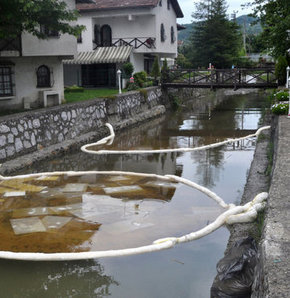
(280, 108)
(255, 43)
(280, 69)
(253, 27)
(243, 62)
(164, 72)
(132, 86)
(182, 61)
(140, 78)
(155, 72)
(215, 39)
(17, 16)
(128, 69)
(275, 20)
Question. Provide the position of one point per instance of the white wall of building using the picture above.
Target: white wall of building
(138, 61)
(26, 81)
(64, 45)
(167, 17)
(87, 35)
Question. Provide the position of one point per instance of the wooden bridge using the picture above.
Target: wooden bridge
(221, 78)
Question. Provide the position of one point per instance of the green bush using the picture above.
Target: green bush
(140, 78)
(128, 69)
(281, 96)
(132, 86)
(244, 62)
(147, 84)
(280, 70)
(280, 108)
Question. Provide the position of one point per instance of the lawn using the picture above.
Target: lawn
(89, 94)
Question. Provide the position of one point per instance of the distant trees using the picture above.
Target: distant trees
(215, 39)
(37, 17)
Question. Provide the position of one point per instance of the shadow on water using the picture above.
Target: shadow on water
(55, 279)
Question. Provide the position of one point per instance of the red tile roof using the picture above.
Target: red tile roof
(121, 4)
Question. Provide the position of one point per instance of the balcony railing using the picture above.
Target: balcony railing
(11, 45)
(136, 43)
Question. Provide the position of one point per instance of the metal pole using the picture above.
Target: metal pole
(288, 85)
(119, 72)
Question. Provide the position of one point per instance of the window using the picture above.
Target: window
(168, 4)
(6, 84)
(106, 36)
(162, 33)
(43, 76)
(44, 29)
(172, 34)
(160, 3)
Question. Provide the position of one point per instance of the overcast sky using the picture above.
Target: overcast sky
(188, 7)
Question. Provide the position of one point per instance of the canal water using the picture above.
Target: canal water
(188, 269)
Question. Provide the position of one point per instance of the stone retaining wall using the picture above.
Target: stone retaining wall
(30, 131)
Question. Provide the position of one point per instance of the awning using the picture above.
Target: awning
(102, 55)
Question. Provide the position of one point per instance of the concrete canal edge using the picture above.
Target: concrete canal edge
(271, 174)
(273, 273)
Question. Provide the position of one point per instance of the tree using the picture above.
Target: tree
(17, 16)
(164, 72)
(275, 20)
(155, 72)
(215, 39)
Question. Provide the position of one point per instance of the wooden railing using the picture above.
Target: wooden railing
(12, 44)
(136, 43)
(222, 78)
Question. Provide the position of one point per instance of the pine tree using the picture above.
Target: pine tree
(155, 72)
(215, 40)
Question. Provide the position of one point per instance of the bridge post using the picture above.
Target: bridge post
(235, 77)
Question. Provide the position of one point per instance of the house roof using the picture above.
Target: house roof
(121, 4)
(102, 55)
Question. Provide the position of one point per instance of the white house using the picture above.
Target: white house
(118, 31)
(31, 69)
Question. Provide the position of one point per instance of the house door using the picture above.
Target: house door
(106, 36)
(99, 75)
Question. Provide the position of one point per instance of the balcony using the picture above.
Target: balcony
(10, 47)
(136, 43)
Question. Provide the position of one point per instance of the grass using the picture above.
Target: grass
(89, 94)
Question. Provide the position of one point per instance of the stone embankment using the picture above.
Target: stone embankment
(32, 136)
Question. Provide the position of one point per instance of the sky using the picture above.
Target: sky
(188, 7)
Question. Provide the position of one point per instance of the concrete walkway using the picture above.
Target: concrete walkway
(275, 248)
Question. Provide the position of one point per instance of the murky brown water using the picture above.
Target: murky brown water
(89, 212)
(188, 269)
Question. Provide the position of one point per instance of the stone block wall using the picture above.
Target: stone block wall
(33, 130)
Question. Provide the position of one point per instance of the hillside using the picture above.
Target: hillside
(241, 20)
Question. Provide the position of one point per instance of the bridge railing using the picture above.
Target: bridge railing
(236, 77)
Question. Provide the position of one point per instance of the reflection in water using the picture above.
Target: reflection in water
(186, 270)
(55, 279)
